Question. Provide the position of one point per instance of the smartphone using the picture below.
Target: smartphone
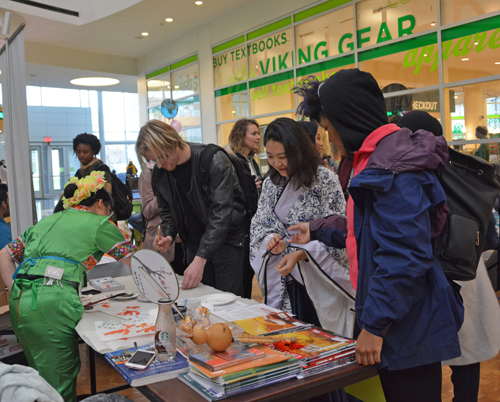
(140, 359)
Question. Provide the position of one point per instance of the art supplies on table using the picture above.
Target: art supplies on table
(156, 371)
(106, 284)
(234, 355)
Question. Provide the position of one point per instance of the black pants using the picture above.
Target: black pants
(417, 384)
(248, 271)
(225, 270)
(465, 381)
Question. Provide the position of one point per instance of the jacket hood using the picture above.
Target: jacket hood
(353, 102)
(405, 150)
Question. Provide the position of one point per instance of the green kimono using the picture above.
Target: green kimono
(44, 317)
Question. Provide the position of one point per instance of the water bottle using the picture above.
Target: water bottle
(165, 331)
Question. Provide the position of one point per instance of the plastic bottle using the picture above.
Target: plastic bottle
(165, 331)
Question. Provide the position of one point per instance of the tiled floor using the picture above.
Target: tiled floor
(489, 390)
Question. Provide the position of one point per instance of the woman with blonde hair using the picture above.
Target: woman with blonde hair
(244, 142)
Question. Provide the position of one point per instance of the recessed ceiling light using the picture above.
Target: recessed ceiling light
(145, 34)
(433, 23)
(169, 19)
(176, 87)
(465, 59)
(198, 3)
(95, 81)
(456, 96)
(498, 62)
(425, 54)
(476, 43)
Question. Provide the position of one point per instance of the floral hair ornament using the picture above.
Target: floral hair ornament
(85, 187)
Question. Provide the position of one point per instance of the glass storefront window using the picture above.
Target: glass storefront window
(324, 70)
(231, 102)
(270, 54)
(325, 36)
(158, 90)
(458, 10)
(473, 56)
(427, 101)
(470, 106)
(382, 20)
(272, 94)
(185, 82)
(231, 67)
(403, 65)
(189, 111)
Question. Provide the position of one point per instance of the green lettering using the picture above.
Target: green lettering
(406, 31)
(232, 55)
(264, 70)
(349, 45)
(384, 34)
(447, 49)
(259, 93)
(392, 5)
(463, 46)
(432, 57)
(282, 63)
(324, 53)
(303, 57)
(410, 58)
(215, 62)
(481, 40)
(362, 40)
(253, 95)
(254, 48)
(238, 54)
(283, 38)
(269, 46)
(274, 90)
(494, 41)
(263, 47)
(280, 90)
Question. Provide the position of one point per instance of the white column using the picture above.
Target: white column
(207, 97)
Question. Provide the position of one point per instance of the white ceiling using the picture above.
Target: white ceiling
(117, 33)
(110, 27)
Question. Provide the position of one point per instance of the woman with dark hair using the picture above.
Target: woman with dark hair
(299, 189)
(408, 312)
(54, 256)
(318, 137)
(86, 147)
(244, 141)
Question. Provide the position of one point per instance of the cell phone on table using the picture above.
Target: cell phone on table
(141, 359)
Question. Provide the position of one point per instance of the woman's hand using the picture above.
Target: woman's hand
(163, 244)
(280, 244)
(304, 236)
(258, 183)
(288, 262)
(368, 348)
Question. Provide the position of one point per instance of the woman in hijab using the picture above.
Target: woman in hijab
(401, 288)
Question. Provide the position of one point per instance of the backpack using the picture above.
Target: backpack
(122, 195)
(471, 185)
(245, 178)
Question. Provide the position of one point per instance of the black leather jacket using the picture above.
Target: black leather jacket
(220, 207)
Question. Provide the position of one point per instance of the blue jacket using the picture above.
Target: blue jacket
(403, 295)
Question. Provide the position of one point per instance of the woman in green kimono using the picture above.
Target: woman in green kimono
(54, 256)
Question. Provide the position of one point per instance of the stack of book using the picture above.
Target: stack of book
(316, 350)
(239, 369)
(156, 371)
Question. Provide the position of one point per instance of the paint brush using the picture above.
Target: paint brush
(269, 251)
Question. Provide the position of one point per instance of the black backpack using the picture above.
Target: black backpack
(247, 181)
(122, 195)
(471, 185)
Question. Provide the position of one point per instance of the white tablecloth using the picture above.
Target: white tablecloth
(86, 326)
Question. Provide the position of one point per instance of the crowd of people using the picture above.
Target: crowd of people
(341, 237)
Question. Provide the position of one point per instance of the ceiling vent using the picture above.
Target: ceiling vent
(48, 7)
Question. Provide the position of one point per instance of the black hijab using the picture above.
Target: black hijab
(420, 120)
(354, 104)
